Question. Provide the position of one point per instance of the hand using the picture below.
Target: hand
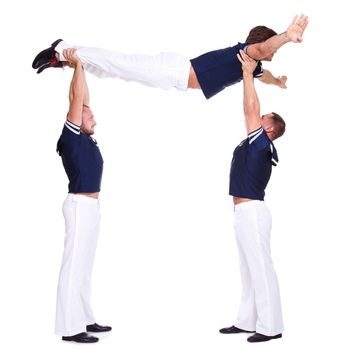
(248, 64)
(282, 82)
(71, 57)
(296, 28)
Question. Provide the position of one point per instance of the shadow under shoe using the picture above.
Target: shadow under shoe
(81, 338)
(233, 330)
(258, 338)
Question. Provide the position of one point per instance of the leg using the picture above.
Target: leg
(247, 315)
(254, 236)
(73, 310)
(165, 70)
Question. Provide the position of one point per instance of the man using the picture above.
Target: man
(211, 72)
(260, 306)
(83, 164)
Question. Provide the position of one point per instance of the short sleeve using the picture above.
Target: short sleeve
(258, 72)
(72, 127)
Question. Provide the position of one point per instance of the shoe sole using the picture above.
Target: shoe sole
(82, 342)
(264, 340)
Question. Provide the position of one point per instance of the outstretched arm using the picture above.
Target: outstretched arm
(251, 104)
(293, 33)
(78, 92)
(268, 78)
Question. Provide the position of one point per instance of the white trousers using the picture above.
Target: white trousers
(260, 306)
(82, 220)
(165, 70)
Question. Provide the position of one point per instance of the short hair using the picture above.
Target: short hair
(279, 125)
(259, 34)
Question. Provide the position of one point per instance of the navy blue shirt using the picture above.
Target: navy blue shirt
(216, 70)
(251, 166)
(81, 159)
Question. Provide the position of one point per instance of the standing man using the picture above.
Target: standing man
(211, 72)
(260, 307)
(83, 164)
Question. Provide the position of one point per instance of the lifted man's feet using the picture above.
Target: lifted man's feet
(47, 58)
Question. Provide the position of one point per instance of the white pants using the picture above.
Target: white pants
(165, 70)
(260, 306)
(82, 220)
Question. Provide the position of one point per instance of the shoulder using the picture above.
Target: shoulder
(260, 142)
(71, 134)
(259, 139)
(70, 127)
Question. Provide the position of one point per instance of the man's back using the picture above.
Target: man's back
(216, 70)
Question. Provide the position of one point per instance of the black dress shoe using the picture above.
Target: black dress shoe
(47, 58)
(97, 328)
(81, 338)
(257, 337)
(233, 329)
(52, 64)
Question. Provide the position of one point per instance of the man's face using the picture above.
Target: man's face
(88, 123)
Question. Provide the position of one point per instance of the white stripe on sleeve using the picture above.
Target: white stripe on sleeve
(254, 135)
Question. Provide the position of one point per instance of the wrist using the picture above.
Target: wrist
(284, 36)
(247, 74)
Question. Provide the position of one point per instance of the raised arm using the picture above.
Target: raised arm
(268, 78)
(293, 33)
(78, 92)
(251, 104)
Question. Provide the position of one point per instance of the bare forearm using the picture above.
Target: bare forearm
(293, 33)
(251, 102)
(268, 78)
(76, 96)
(86, 99)
(77, 86)
(261, 50)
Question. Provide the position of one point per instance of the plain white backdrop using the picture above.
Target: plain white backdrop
(166, 274)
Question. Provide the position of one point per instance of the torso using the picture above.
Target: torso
(193, 82)
(216, 70)
(238, 200)
(82, 161)
(251, 167)
(90, 194)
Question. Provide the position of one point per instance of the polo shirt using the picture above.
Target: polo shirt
(81, 158)
(216, 70)
(251, 166)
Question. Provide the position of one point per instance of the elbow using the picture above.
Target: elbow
(251, 110)
(73, 95)
(256, 51)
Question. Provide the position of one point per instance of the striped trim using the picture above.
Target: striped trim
(275, 161)
(72, 127)
(254, 135)
(254, 132)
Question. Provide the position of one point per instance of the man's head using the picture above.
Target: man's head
(88, 122)
(274, 125)
(260, 34)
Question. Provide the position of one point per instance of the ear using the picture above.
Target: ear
(269, 128)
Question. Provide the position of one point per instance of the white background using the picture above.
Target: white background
(166, 274)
